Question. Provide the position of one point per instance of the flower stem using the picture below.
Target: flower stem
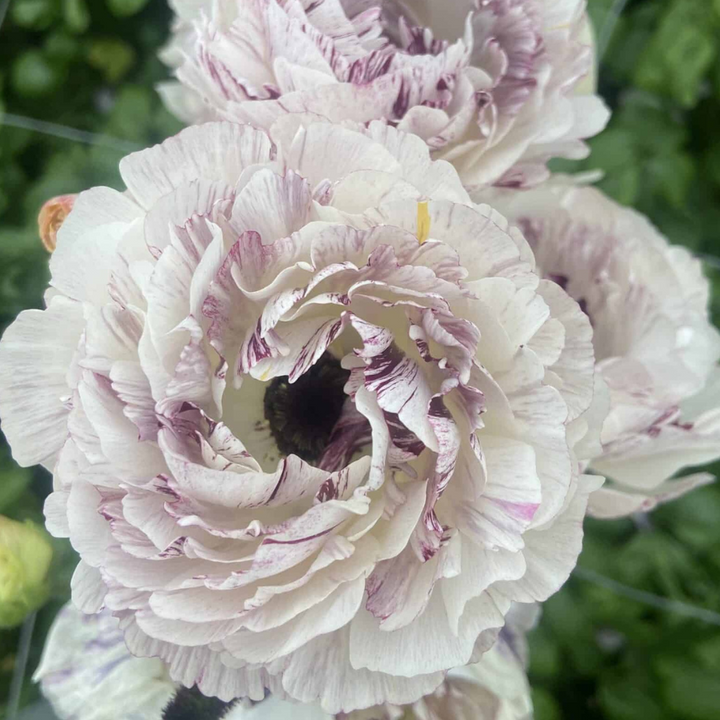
(20, 666)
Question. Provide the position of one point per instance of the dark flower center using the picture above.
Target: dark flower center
(302, 414)
(563, 281)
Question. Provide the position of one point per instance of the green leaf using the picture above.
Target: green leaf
(629, 40)
(65, 560)
(623, 185)
(708, 653)
(654, 128)
(545, 706)
(545, 659)
(33, 75)
(61, 47)
(622, 699)
(614, 149)
(77, 16)
(680, 54)
(131, 116)
(125, 8)
(673, 173)
(693, 519)
(569, 621)
(692, 692)
(112, 57)
(712, 163)
(14, 481)
(34, 14)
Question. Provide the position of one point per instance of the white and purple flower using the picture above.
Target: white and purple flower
(494, 86)
(656, 348)
(87, 673)
(310, 412)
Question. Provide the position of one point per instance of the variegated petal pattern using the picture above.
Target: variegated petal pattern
(87, 673)
(448, 487)
(497, 87)
(657, 351)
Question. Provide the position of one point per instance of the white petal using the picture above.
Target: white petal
(36, 354)
(215, 152)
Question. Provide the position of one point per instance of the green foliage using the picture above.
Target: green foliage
(597, 655)
(34, 75)
(604, 655)
(112, 57)
(121, 8)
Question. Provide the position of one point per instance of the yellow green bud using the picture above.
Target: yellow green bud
(25, 555)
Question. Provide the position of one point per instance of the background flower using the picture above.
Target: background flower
(655, 346)
(490, 84)
(308, 427)
(87, 673)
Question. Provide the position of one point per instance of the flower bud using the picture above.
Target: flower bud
(25, 555)
(52, 216)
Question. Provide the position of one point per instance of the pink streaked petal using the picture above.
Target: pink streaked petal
(215, 151)
(272, 205)
(397, 381)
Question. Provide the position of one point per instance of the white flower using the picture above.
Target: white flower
(655, 346)
(496, 688)
(497, 87)
(307, 409)
(87, 673)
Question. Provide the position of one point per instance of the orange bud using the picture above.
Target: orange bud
(52, 216)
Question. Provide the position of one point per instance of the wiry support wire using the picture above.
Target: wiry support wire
(61, 131)
(67, 133)
(21, 660)
(4, 5)
(646, 598)
(608, 27)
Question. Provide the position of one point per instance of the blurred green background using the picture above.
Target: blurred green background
(91, 65)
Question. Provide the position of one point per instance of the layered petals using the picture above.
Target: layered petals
(311, 440)
(497, 87)
(656, 348)
(88, 673)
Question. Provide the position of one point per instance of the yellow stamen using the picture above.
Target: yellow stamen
(423, 222)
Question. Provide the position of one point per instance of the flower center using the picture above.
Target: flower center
(302, 414)
(563, 281)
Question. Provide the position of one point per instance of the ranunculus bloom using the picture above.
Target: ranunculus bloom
(87, 673)
(308, 412)
(494, 86)
(655, 346)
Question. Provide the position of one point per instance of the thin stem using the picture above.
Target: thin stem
(67, 133)
(608, 27)
(4, 5)
(646, 598)
(20, 666)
